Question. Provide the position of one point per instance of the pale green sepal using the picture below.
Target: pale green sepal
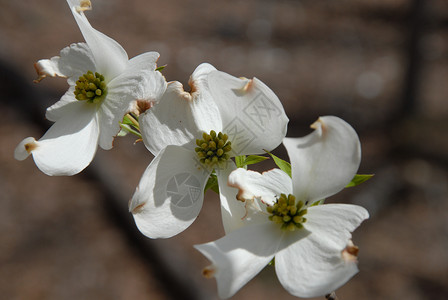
(127, 121)
(282, 164)
(122, 132)
(239, 161)
(130, 125)
(358, 179)
(212, 183)
(127, 128)
(132, 120)
(318, 202)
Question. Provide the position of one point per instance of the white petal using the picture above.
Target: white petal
(325, 161)
(145, 61)
(181, 117)
(170, 122)
(70, 144)
(110, 58)
(314, 266)
(232, 211)
(74, 61)
(124, 89)
(239, 256)
(266, 186)
(142, 85)
(170, 193)
(251, 113)
(334, 222)
(206, 113)
(24, 148)
(63, 106)
(48, 67)
(244, 198)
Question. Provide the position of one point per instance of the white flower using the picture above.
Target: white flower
(311, 244)
(90, 118)
(242, 116)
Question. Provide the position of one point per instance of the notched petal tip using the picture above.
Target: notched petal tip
(83, 6)
(134, 205)
(350, 253)
(248, 87)
(192, 85)
(42, 72)
(24, 149)
(177, 88)
(318, 125)
(209, 272)
(138, 208)
(241, 195)
(139, 106)
(44, 68)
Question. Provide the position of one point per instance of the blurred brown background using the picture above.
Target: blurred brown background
(381, 65)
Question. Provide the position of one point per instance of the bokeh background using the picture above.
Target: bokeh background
(381, 65)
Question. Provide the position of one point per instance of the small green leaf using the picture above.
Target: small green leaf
(242, 161)
(253, 159)
(239, 161)
(160, 68)
(282, 164)
(212, 183)
(358, 179)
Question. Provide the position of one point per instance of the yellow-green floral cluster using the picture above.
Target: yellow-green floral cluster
(90, 87)
(213, 148)
(287, 212)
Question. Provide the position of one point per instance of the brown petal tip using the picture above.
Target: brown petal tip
(209, 272)
(84, 5)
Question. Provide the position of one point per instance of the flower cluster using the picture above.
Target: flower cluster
(285, 219)
(205, 139)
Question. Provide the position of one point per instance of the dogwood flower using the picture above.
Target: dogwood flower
(193, 134)
(103, 83)
(311, 244)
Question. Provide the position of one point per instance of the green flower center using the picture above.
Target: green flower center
(286, 212)
(213, 148)
(91, 87)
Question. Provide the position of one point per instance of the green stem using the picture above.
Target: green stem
(133, 120)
